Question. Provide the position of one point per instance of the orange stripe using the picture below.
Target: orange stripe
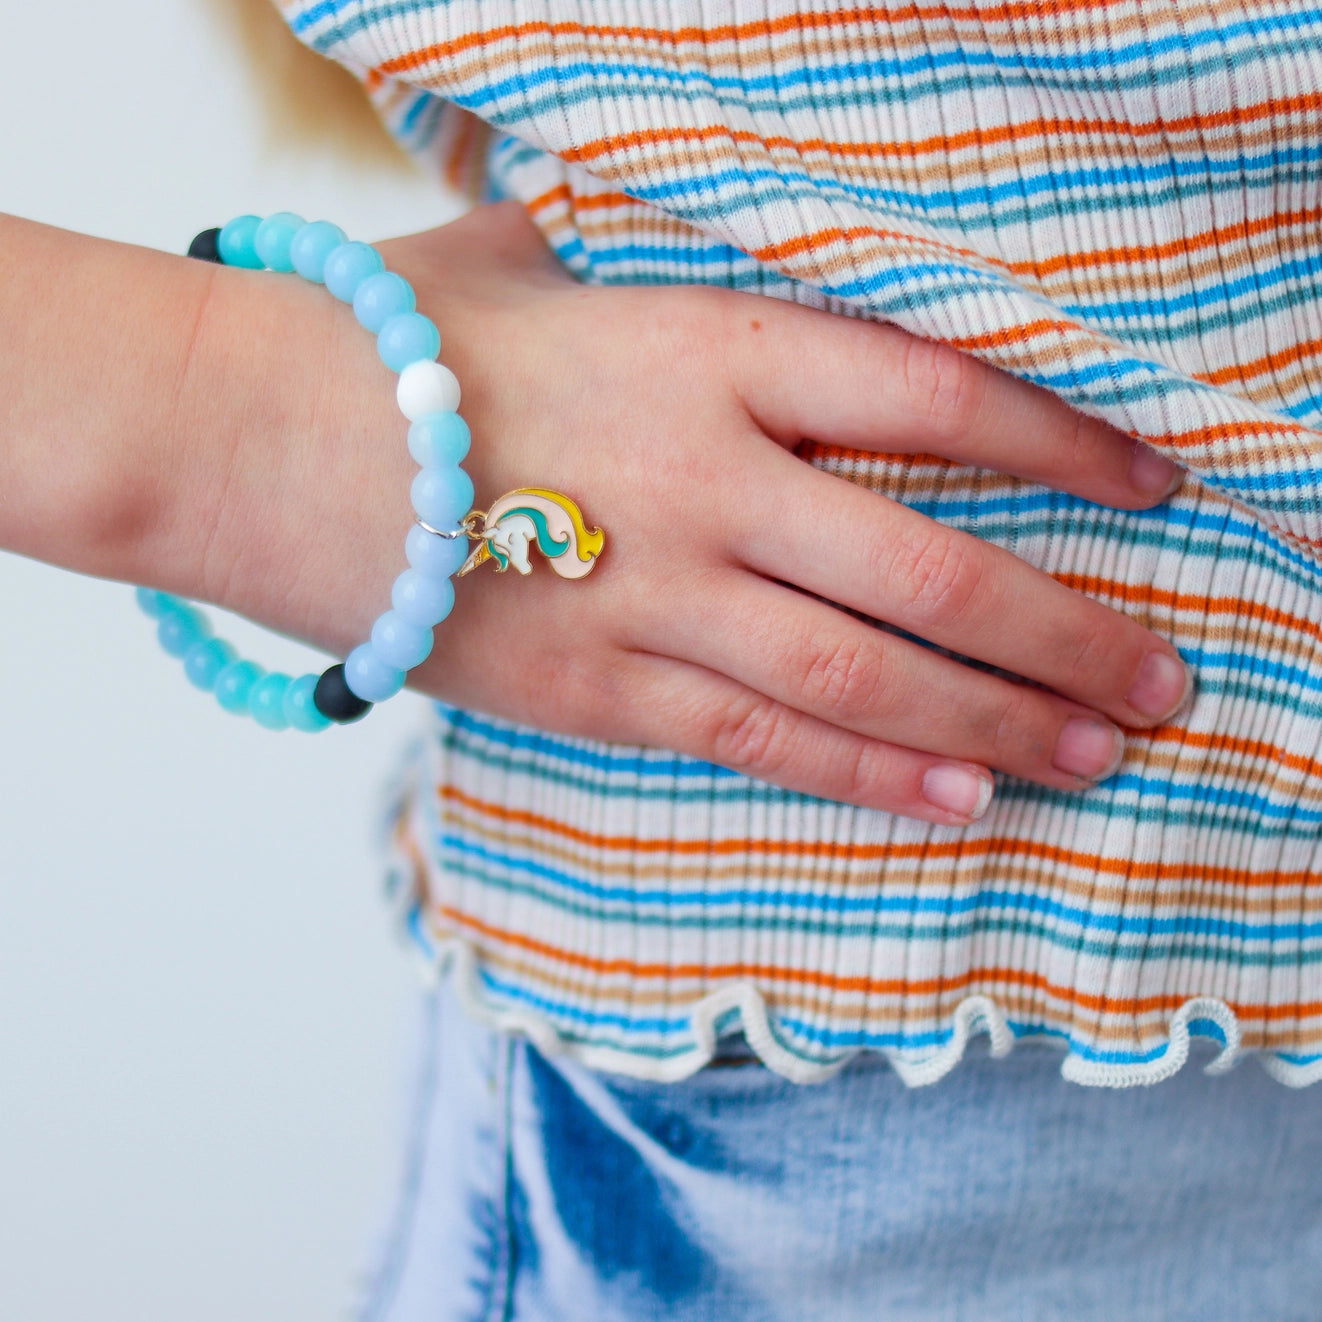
(1243, 372)
(944, 145)
(1131, 593)
(1188, 243)
(732, 32)
(1130, 869)
(865, 986)
(1100, 257)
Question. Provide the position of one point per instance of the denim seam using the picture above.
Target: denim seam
(500, 1305)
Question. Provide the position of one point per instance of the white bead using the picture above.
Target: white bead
(427, 387)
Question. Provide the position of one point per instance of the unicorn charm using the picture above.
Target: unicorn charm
(530, 517)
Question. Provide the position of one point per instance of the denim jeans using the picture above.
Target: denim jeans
(535, 1189)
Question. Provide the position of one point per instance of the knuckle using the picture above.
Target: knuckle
(845, 679)
(946, 388)
(749, 735)
(1009, 724)
(1087, 439)
(862, 772)
(943, 577)
(1085, 654)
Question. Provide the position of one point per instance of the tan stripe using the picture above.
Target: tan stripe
(1255, 894)
(1078, 275)
(875, 165)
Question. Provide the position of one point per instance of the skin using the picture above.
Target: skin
(245, 448)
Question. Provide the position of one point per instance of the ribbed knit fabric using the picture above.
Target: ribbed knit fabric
(1119, 200)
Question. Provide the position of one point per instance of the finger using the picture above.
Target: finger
(873, 555)
(807, 655)
(672, 704)
(811, 375)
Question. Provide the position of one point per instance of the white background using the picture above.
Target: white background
(202, 1008)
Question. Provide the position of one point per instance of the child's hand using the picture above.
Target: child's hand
(670, 416)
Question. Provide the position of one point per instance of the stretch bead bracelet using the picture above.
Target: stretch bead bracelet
(437, 546)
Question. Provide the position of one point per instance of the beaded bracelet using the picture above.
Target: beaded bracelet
(437, 546)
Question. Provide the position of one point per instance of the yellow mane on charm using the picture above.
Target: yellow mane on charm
(534, 516)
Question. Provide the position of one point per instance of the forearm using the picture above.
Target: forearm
(147, 409)
(96, 349)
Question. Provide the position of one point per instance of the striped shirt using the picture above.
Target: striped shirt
(1117, 200)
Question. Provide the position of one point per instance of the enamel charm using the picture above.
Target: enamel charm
(527, 518)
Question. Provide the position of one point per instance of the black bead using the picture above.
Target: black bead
(336, 701)
(206, 247)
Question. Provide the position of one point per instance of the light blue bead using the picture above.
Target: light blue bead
(442, 496)
(274, 237)
(300, 711)
(154, 603)
(399, 643)
(205, 660)
(234, 684)
(436, 557)
(421, 600)
(179, 627)
(236, 243)
(408, 338)
(380, 297)
(438, 440)
(311, 246)
(369, 677)
(266, 701)
(348, 266)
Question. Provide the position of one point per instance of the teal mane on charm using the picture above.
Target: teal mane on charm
(547, 544)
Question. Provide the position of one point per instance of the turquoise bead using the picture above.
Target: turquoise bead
(205, 660)
(442, 496)
(399, 643)
(154, 603)
(310, 247)
(274, 237)
(348, 266)
(179, 627)
(369, 677)
(436, 557)
(408, 338)
(300, 711)
(422, 600)
(380, 297)
(237, 243)
(235, 683)
(438, 440)
(266, 701)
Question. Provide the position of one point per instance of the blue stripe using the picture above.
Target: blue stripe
(987, 901)
(564, 1014)
(597, 756)
(1291, 1059)
(1161, 325)
(710, 208)
(856, 1038)
(1226, 523)
(1153, 951)
(956, 202)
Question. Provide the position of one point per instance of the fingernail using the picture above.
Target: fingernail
(1090, 749)
(1161, 685)
(1152, 473)
(957, 790)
